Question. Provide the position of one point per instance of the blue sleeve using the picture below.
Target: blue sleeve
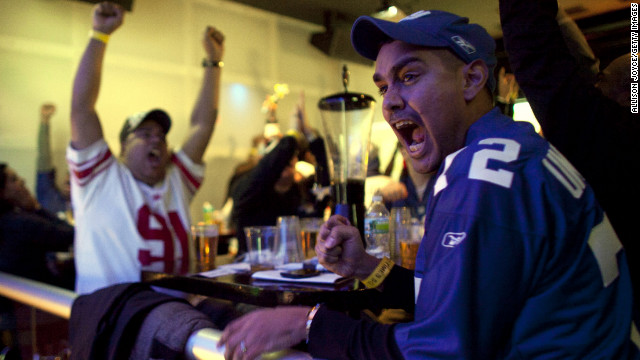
(48, 194)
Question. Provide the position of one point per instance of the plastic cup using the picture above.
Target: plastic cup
(289, 245)
(408, 253)
(399, 230)
(261, 242)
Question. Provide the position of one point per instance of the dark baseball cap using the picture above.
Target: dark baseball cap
(432, 28)
(133, 121)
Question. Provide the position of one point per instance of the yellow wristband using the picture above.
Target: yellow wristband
(98, 35)
(379, 274)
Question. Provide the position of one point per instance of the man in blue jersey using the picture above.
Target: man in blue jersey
(518, 259)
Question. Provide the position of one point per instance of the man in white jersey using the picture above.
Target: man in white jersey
(132, 212)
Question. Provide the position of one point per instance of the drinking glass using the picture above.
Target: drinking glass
(289, 243)
(205, 238)
(309, 228)
(261, 242)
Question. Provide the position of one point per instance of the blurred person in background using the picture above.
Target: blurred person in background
(410, 190)
(132, 212)
(28, 232)
(275, 187)
(30, 236)
(51, 196)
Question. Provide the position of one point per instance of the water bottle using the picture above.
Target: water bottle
(207, 213)
(376, 228)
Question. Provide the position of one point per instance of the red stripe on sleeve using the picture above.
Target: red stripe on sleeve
(194, 181)
(82, 175)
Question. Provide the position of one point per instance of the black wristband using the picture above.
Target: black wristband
(212, 63)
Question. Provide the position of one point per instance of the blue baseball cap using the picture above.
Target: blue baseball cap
(432, 28)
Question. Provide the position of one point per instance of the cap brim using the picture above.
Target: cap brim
(368, 34)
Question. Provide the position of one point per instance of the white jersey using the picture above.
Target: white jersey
(123, 225)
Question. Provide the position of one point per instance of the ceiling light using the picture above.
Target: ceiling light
(389, 12)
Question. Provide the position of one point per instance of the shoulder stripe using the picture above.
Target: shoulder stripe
(85, 181)
(193, 181)
(85, 171)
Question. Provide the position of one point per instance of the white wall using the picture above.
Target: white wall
(153, 60)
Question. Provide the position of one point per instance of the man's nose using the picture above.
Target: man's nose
(159, 137)
(392, 101)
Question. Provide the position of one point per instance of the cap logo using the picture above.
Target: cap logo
(463, 44)
(416, 15)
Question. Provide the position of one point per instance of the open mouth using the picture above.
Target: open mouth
(154, 156)
(411, 134)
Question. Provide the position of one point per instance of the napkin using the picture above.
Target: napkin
(226, 269)
(274, 275)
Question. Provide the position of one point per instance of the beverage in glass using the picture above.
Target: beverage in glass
(261, 242)
(205, 238)
(408, 253)
(309, 228)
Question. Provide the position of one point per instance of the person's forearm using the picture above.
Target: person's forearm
(322, 168)
(398, 291)
(206, 108)
(44, 148)
(85, 126)
(333, 335)
(588, 64)
(537, 52)
(204, 115)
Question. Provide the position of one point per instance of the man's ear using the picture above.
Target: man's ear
(123, 145)
(475, 75)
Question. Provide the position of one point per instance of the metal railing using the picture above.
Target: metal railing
(201, 345)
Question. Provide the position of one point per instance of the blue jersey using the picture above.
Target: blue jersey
(518, 259)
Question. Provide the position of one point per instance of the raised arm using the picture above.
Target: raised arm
(205, 112)
(44, 141)
(85, 124)
(588, 63)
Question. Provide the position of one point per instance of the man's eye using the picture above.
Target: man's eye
(382, 90)
(408, 77)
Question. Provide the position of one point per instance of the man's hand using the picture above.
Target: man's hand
(213, 43)
(507, 87)
(46, 112)
(264, 330)
(394, 191)
(340, 249)
(107, 17)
